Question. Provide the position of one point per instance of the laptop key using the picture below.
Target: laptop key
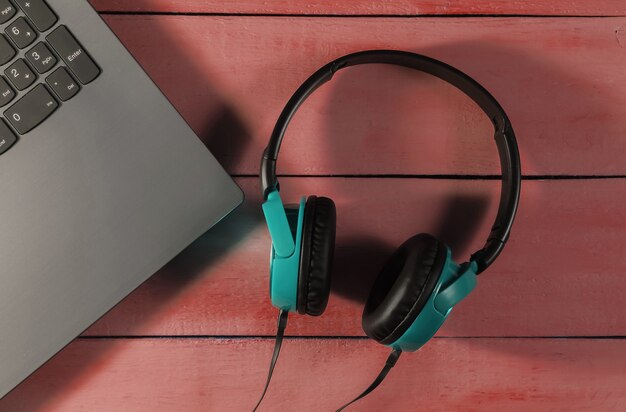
(7, 138)
(7, 11)
(20, 74)
(73, 54)
(21, 33)
(7, 52)
(39, 13)
(32, 109)
(6, 92)
(62, 84)
(41, 58)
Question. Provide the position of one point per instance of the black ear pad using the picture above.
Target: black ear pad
(316, 259)
(403, 287)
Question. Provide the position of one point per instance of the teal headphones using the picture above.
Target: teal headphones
(420, 283)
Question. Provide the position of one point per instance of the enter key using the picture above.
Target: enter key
(73, 54)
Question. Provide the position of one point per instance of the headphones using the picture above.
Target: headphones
(420, 283)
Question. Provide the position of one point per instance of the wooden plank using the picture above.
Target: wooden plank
(370, 7)
(562, 273)
(561, 81)
(320, 375)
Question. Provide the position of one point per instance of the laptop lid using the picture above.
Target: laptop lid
(95, 200)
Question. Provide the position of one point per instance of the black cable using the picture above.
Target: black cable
(282, 324)
(391, 362)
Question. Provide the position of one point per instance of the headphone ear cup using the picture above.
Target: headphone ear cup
(316, 259)
(403, 287)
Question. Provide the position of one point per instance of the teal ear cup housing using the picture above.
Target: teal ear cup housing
(455, 284)
(285, 227)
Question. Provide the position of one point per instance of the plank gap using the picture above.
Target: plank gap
(438, 176)
(354, 16)
(322, 337)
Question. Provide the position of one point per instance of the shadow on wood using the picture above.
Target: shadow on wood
(358, 261)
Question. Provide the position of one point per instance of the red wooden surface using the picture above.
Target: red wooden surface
(550, 281)
(319, 375)
(371, 7)
(511, 345)
(557, 79)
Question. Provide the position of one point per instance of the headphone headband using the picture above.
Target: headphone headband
(504, 135)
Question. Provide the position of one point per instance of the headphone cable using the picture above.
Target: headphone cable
(282, 324)
(391, 362)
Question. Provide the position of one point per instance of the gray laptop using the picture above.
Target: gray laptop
(101, 180)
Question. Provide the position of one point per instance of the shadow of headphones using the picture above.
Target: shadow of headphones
(420, 283)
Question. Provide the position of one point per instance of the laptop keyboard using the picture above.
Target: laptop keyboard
(41, 65)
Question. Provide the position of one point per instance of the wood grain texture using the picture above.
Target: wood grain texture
(562, 273)
(371, 7)
(319, 375)
(557, 79)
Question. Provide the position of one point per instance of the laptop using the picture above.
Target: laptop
(101, 180)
